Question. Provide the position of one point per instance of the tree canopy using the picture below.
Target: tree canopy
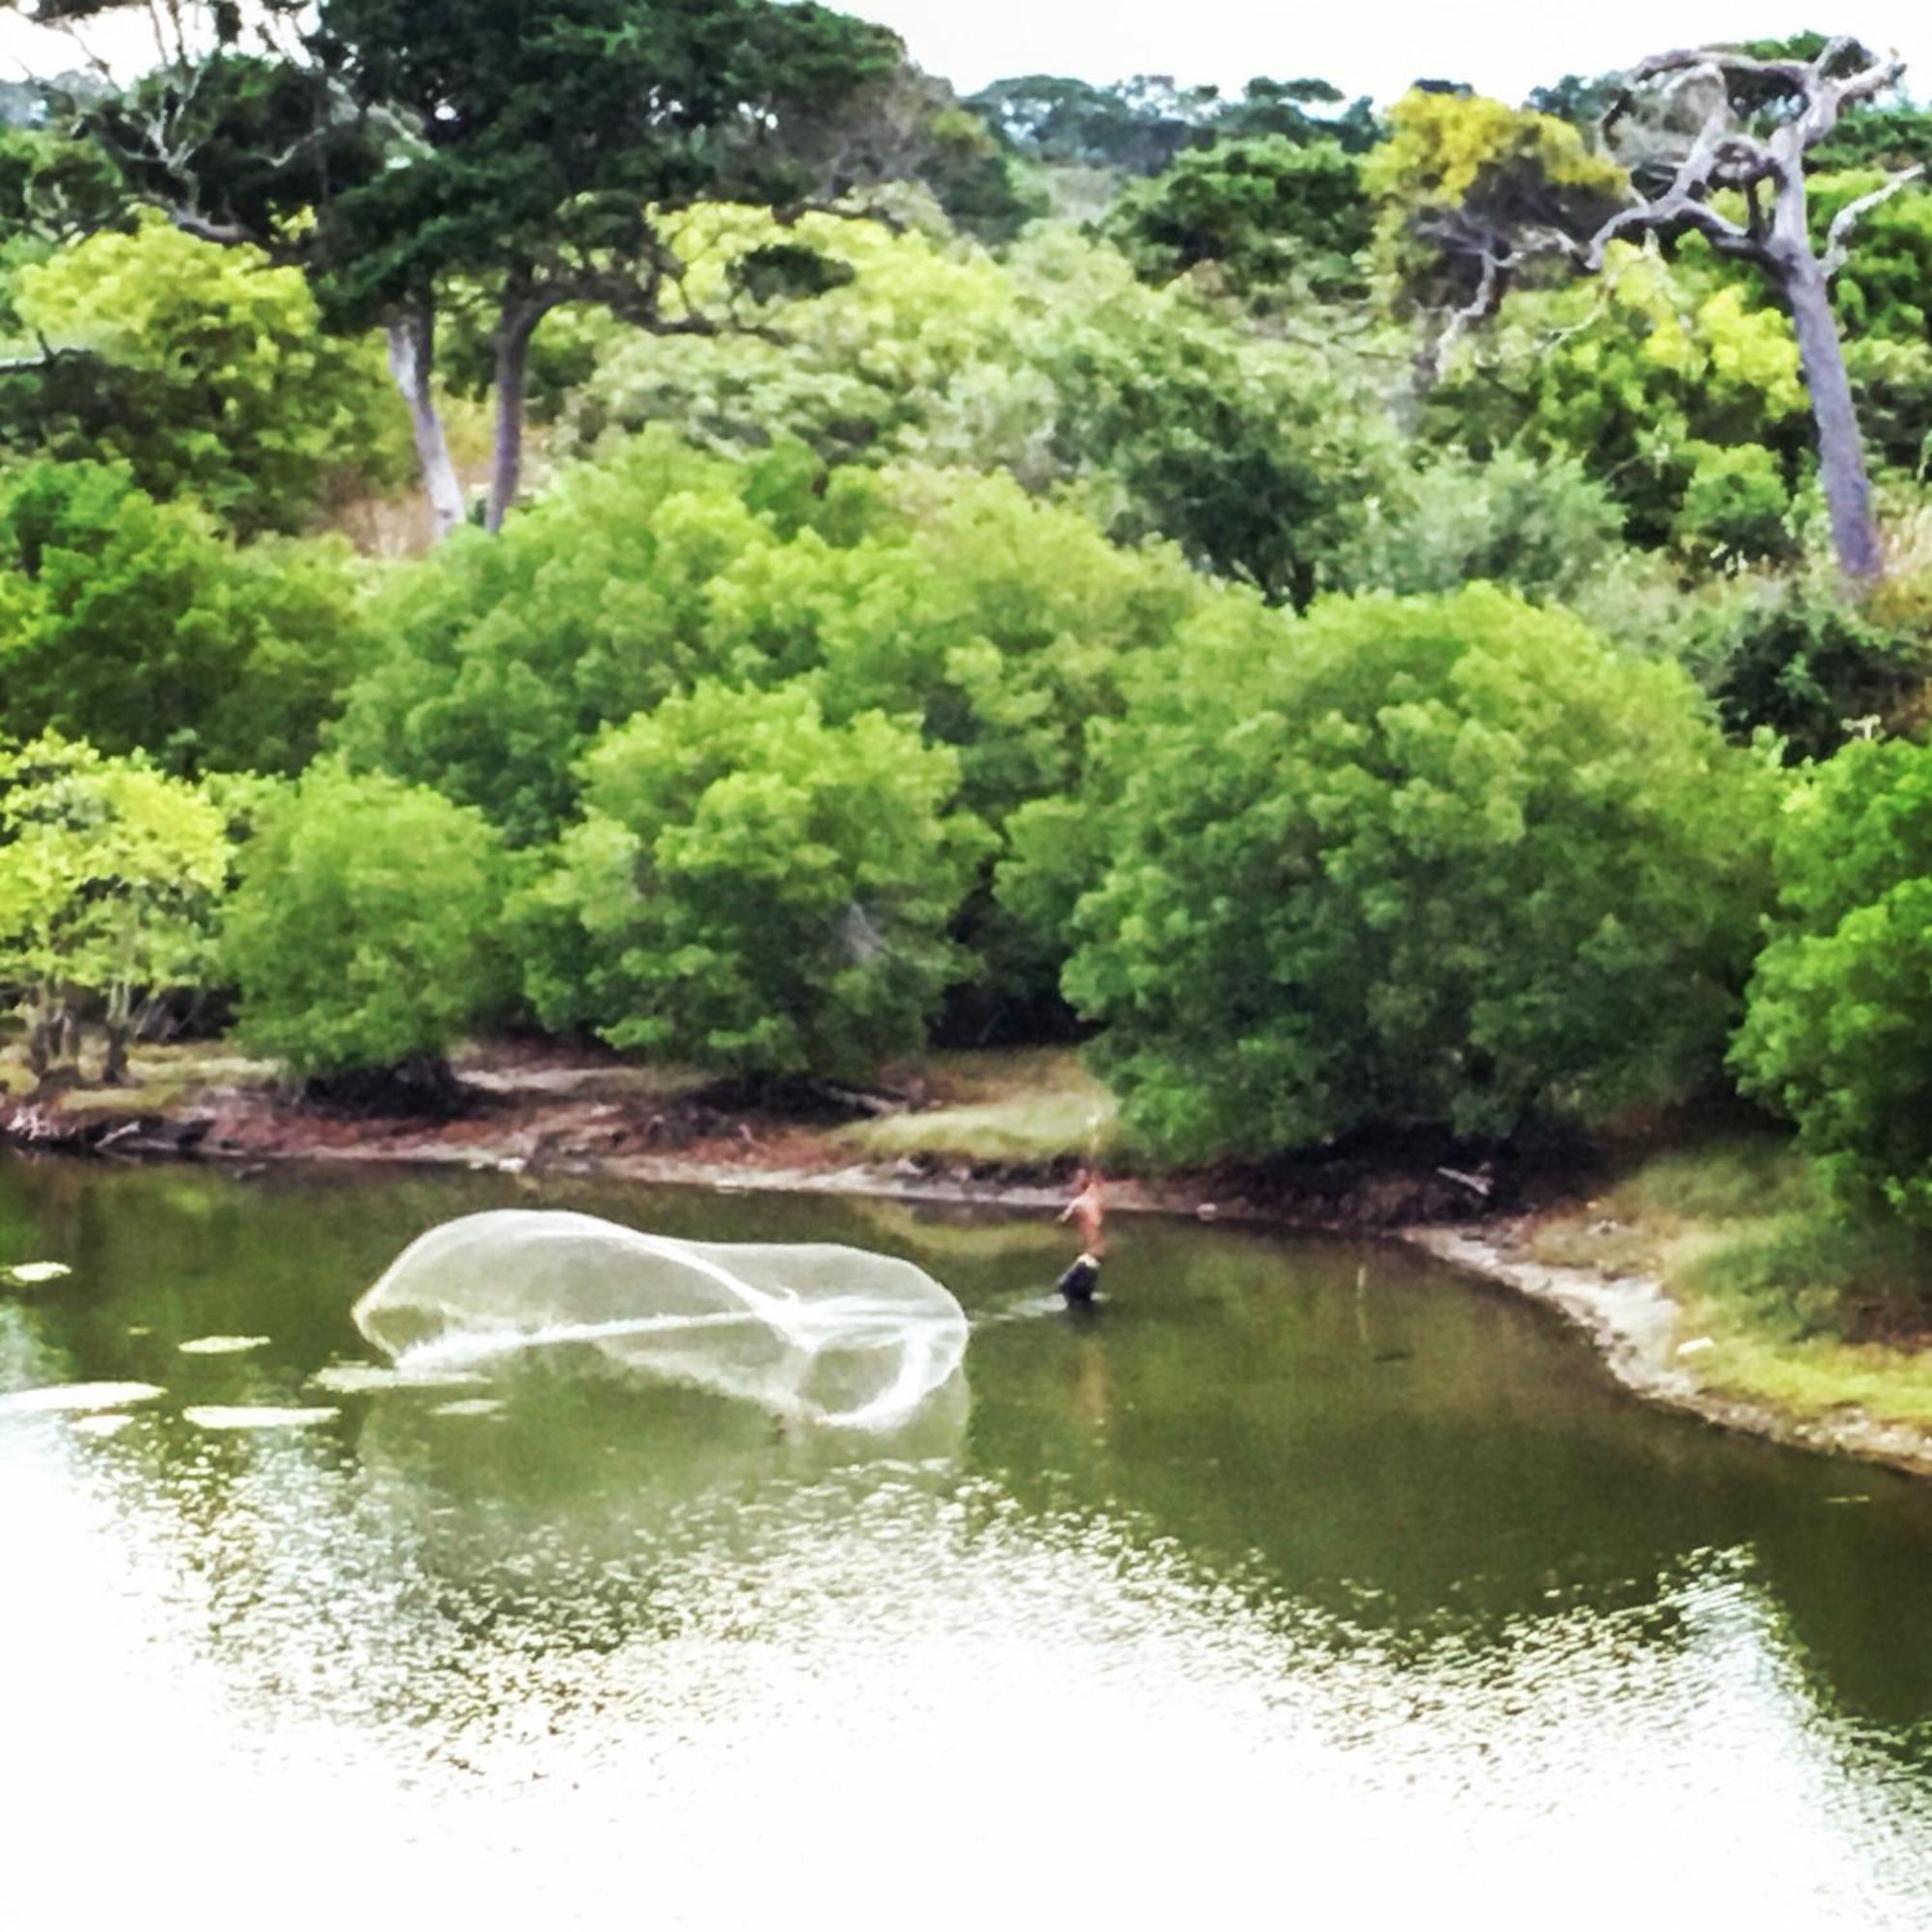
(1325, 603)
(365, 929)
(755, 889)
(1444, 863)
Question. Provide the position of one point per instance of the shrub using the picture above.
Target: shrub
(1256, 457)
(1735, 504)
(1837, 1033)
(1270, 213)
(205, 370)
(1445, 862)
(1543, 529)
(132, 623)
(362, 932)
(1799, 658)
(504, 655)
(1656, 376)
(855, 371)
(754, 890)
(109, 877)
(1001, 623)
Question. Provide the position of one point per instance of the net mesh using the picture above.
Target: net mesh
(818, 1332)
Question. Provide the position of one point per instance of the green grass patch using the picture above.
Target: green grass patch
(160, 1077)
(1733, 1178)
(1029, 1105)
(1815, 1377)
(1783, 1300)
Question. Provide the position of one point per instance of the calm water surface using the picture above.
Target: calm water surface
(1310, 1584)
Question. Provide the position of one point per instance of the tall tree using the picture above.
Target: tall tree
(518, 154)
(1697, 124)
(548, 137)
(1138, 126)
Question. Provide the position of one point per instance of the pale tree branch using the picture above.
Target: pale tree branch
(46, 356)
(1432, 357)
(1684, 203)
(1480, 306)
(223, 234)
(1825, 100)
(1802, 109)
(1807, 78)
(1837, 239)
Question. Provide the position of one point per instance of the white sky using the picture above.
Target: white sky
(1365, 46)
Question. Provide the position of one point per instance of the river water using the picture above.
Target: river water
(1311, 1583)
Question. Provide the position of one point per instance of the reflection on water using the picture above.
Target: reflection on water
(1305, 1579)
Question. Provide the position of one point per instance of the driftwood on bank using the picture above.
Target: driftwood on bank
(48, 1130)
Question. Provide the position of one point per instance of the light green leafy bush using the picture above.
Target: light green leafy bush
(753, 889)
(1543, 527)
(110, 874)
(1737, 505)
(130, 622)
(207, 371)
(999, 623)
(1434, 862)
(365, 929)
(1838, 1030)
(1254, 455)
(1642, 376)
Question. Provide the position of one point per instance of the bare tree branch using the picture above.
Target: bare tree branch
(1683, 205)
(224, 234)
(1837, 240)
(1727, 156)
(46, 356)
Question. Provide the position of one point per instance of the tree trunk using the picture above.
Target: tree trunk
(118, 1025)
(66, 1030)
(1841, 451)
(412, 340)
(40, 1035)
(516, 326)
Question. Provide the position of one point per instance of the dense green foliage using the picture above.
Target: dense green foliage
(1274, 217)
(755, 889)
(1236, 564)
(109, 877)
(206, 371)
(1543, 527)
(132, 623)
(366, 926)
(1839, 1033)
(1143, 126)
(1257, 457)
(998, 622)
(546, 138)
(1673, 386)
(1437, 861)
(1460, 177)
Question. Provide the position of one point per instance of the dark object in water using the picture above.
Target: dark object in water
(1079, 1282)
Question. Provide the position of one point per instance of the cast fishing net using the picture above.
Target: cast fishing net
(825, 1334)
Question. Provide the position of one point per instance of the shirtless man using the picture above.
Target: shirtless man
(1088, 1211)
